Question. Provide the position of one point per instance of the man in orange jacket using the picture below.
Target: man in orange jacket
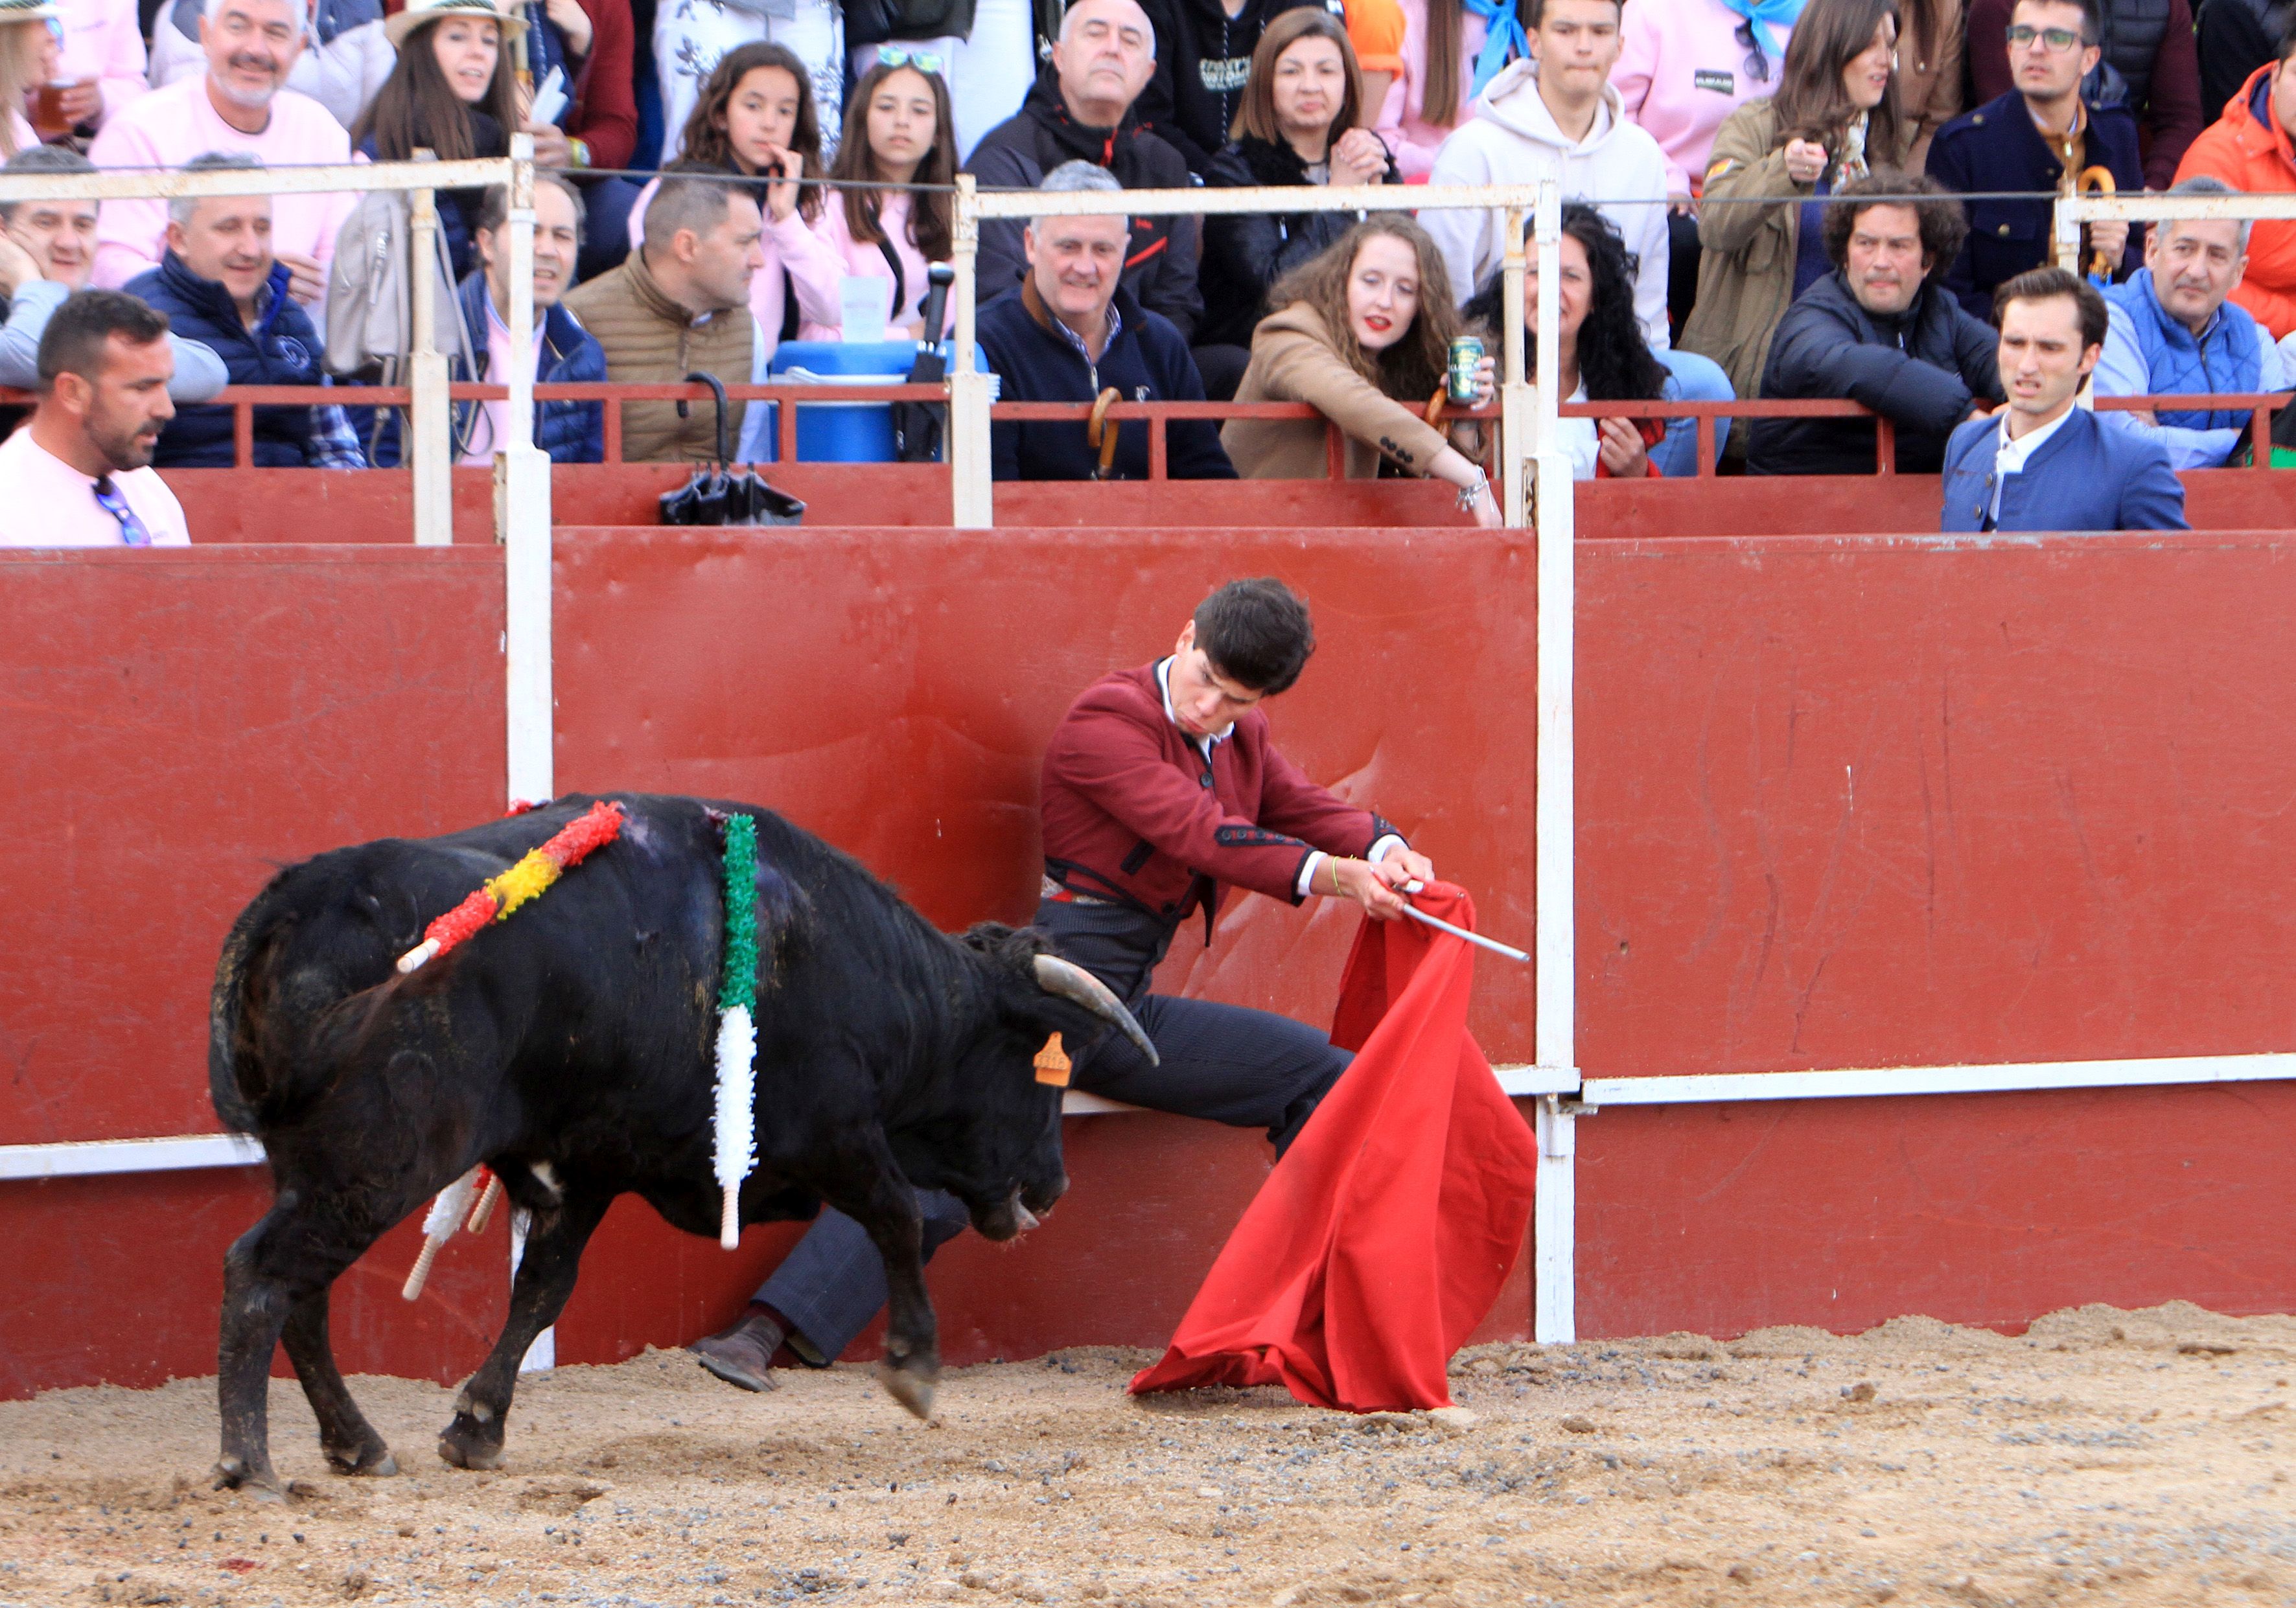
(2249, 149)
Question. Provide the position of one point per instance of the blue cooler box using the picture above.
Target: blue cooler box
(846, 432)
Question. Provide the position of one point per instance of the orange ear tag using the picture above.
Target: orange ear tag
(1053, 1064)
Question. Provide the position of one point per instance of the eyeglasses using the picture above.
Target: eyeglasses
(2058, 39)
(1756, 64)
(924, 61)
(131, 528)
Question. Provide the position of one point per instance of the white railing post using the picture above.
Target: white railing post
(972, 496)
(522, 521)
(427, 445)
(1556, 1034)
(2067, 221)
(1518, 427)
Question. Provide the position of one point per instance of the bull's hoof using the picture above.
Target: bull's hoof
(374, 1461)
(233, 1473)
(913, 1389)
(466, 1445)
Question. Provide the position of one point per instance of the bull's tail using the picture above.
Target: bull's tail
(230, 1057)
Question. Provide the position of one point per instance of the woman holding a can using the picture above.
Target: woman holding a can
(1364, 333)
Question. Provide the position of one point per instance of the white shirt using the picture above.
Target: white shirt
(1205, 745)
(2011, 458)
(51, 504)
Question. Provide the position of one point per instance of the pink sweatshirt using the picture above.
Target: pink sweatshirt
(103, 40)
(867, 261)
(1401, 121)
(169, 127)
(1681, 70)
(791, 247)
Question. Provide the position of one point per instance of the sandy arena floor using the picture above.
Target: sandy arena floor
(2105, 1457)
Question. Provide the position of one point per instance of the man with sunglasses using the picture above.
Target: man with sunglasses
(2038, 141)
(78, 474)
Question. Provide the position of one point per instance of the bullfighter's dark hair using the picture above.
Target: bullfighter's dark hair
(1944, 225)
(74, 341)
(1256, 633)
(2046, 284)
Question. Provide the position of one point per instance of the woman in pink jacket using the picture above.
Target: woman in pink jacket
(1443, 49)
(756, 117)
(897, 132)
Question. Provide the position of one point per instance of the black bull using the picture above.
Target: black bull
(571, 1049)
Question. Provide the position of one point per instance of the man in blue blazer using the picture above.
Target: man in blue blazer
(2042, 463)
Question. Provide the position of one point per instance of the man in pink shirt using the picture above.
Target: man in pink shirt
(78, 473)
(241, 103)
(102, 56)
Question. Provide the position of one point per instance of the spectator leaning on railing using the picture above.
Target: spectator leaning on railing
(1881, 330)
(897, 132)
(2174, 334)
(79, 473)
(240, 104)
(1363, 334)
(680, 303)
(1835, 117)
(1601, 355)
(219, 282)
(1082, 109)
(2250, 149)
(1071, 332)
(2147, 66)
(343, 63)
(755, 120)
(1298, 125)
(2040, 139)
(47, 251)
(2044, 463)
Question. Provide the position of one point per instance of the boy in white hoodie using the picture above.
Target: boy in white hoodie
(1555, 113)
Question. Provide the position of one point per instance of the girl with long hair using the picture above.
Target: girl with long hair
(755, 118)
(1601, 355)
(1363, 333)
(1299, 124)
(452, 92)
(1834, 118)
(1443, 51)
(898, 132)
(30, 50)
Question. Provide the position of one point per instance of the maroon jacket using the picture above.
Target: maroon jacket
(1131, 813)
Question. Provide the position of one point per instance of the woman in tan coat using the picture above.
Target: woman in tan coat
(1363, 333)
(1834, 119)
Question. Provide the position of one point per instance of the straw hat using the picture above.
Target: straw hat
(27, 11)
(420, 12)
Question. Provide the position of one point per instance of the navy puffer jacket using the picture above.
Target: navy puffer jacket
(283, 348)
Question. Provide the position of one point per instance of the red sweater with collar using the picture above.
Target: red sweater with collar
(1132, 811)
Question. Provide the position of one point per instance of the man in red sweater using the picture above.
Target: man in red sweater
(1161, 789)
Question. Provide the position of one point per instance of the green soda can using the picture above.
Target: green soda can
(1466, 357)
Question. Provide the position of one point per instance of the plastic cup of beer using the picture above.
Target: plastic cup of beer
(48, 120)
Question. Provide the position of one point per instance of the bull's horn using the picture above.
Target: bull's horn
(1071, 982)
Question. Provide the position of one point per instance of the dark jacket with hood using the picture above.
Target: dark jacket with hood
(281, 349)
(1159, 270)
(1203, 58)
(1036, 359)
(1246, 252)
(1922, 370)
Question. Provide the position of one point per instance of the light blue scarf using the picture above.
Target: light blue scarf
(1771, 16)
(1503, 39)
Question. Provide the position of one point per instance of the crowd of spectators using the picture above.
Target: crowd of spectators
(1767, 203)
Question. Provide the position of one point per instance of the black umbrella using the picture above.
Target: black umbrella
(919, 427)
(722, 494)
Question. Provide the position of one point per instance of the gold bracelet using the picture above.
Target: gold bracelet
(1333, 862)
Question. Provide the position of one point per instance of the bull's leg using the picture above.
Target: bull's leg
(351, 1443)
(546, 1278)
(883, 1203)
(254, 1310)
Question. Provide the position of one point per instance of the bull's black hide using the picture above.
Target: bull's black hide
(570, 1048)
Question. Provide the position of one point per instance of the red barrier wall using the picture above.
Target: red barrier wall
(1841, 803)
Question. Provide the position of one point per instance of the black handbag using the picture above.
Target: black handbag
(724, 492)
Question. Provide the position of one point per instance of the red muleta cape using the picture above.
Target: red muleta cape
(1383, 1235)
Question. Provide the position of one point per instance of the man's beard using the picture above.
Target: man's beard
(254, 100)
(123, 447)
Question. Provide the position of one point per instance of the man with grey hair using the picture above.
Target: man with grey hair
(2173, 333)
(47, 251)
(1072, 332)
(1083, 108)
(220, 281)
(239, 105)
